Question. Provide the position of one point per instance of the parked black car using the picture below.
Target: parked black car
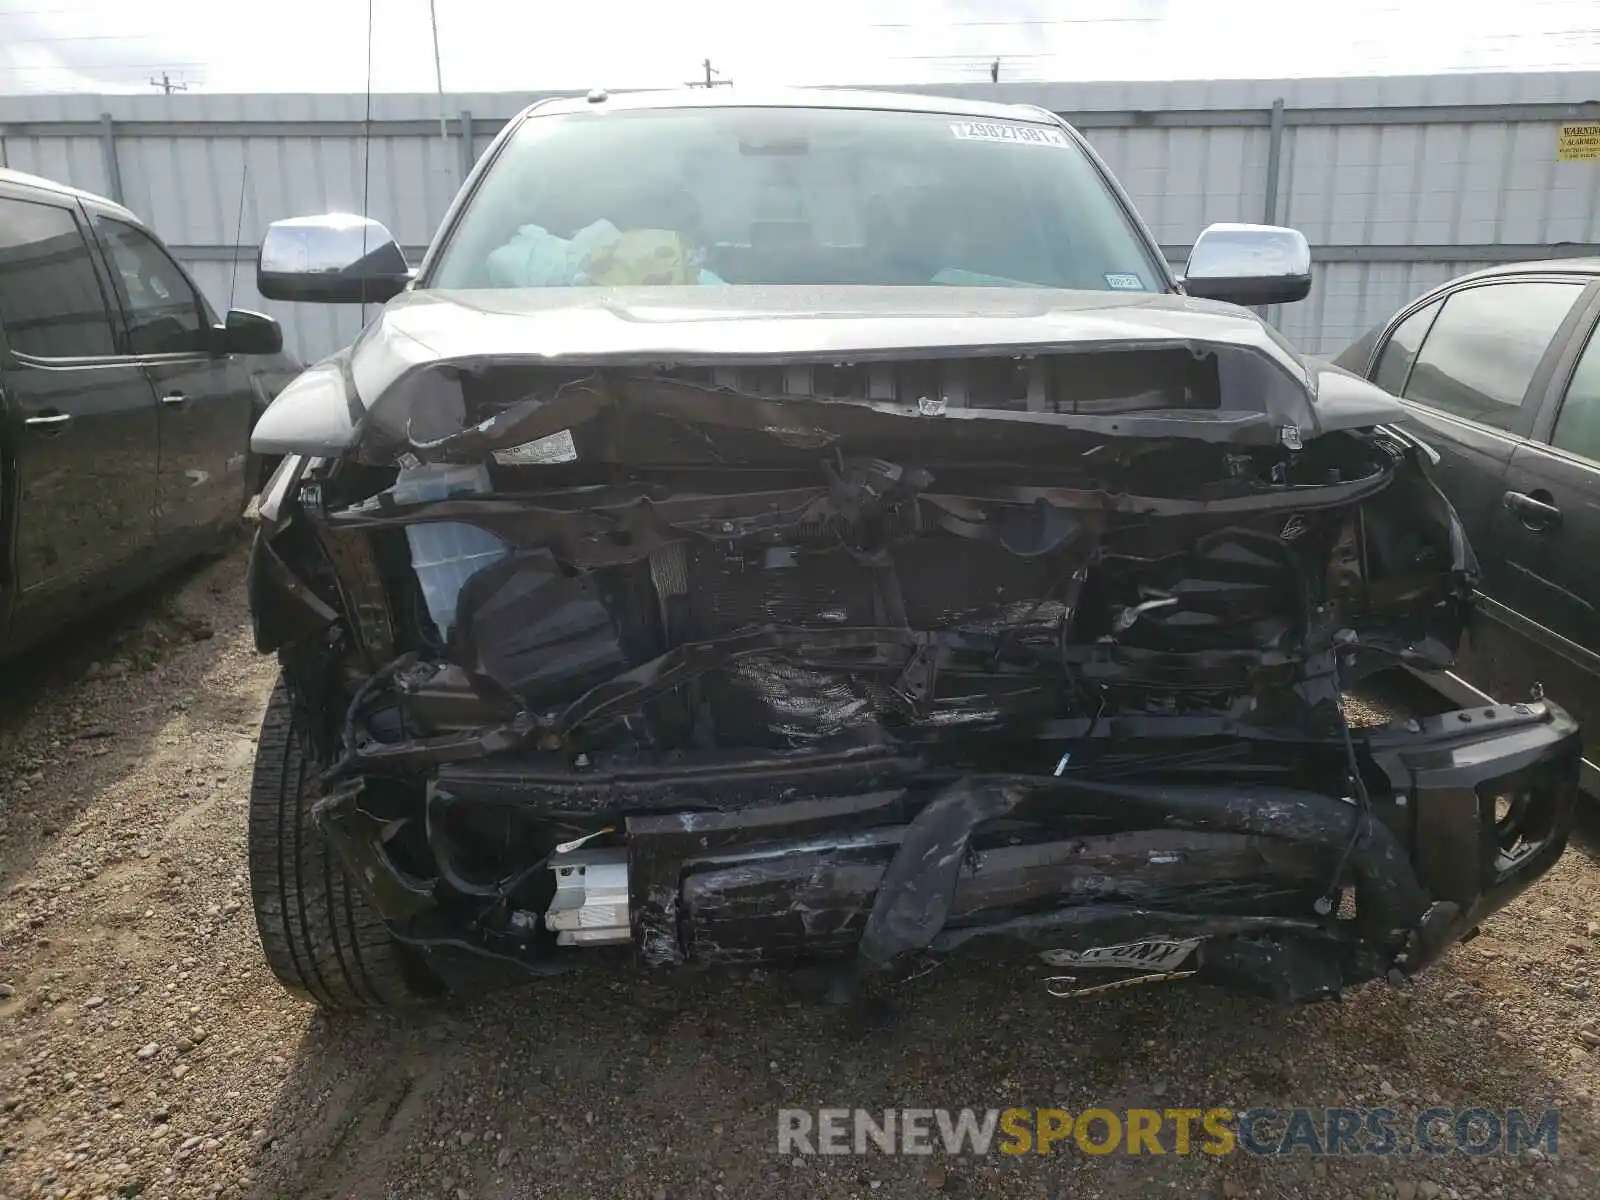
(818, 528)
(125, 407)
(1499, 372)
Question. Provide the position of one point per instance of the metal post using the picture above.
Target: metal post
(1274, 161)
(108, 150)
(468, 155)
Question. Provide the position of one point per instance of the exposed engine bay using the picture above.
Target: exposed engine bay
(868, 662)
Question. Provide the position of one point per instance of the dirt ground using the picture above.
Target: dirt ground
(146, 1051)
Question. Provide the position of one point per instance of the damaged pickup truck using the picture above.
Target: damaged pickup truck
(819, 530)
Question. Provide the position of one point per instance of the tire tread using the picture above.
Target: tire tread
(320, 934)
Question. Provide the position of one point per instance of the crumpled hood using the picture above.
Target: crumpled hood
(753, 322)
(320, 413)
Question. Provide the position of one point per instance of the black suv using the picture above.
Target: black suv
(125, 407)
(1500, 373)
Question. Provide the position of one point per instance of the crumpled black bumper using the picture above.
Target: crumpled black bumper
(875, 869)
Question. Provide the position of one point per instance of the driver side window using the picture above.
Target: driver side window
(165, 314)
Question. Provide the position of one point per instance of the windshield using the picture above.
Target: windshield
(707, 196)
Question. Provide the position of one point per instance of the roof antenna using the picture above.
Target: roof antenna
(438, 73)
(238, 225)
(366, 164)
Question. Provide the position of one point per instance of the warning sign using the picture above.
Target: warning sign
(1576, 143)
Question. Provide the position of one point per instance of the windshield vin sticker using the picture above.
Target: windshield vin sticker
(1157, 954)
(991, 131)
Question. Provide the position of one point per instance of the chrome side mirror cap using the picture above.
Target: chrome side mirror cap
(1249, 264)
(334, 258)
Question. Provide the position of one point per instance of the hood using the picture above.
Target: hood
(323, 410)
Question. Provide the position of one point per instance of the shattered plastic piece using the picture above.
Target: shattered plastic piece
(1156, 954)
(570, 846)
(1061, 987)
(801, 439)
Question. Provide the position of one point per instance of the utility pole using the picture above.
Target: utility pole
(167, 86)
(710, 81)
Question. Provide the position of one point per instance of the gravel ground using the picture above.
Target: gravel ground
(145, 1050)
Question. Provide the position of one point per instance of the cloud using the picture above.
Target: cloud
(494, 45)
(91, 48)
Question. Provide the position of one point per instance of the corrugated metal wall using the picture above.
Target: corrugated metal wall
(1399, 183)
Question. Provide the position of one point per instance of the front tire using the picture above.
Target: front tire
(321, 936)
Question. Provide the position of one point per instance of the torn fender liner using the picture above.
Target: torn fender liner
(914, 899)
(358, 836)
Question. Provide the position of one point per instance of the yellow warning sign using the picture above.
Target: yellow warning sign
(1576, 143)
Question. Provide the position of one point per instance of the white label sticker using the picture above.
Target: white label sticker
(1157, 954)
(1124, 283)
(556, 448)
(993, 131)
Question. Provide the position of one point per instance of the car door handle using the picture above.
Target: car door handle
(1536, 511)
(174, 399)
(55, 421)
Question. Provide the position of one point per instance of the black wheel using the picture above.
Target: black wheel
(321, 937)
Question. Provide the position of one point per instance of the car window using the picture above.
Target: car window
(1358, 353)
(1578, 426)
(1480, 354)
(1394, 364)
(51, 302)
(793, 196)
(165, 313)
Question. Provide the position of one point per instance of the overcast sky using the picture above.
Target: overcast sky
(531, 45)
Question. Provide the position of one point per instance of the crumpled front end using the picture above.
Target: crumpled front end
(864, 663)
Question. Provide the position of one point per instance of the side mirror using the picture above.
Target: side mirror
(246, 332)
(1249, 264)
(337, 258)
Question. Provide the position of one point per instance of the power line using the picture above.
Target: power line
(80, 68)
(982, 60)
(1016, 23)
(19, 13)
(55, 39)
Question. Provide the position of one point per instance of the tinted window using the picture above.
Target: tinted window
(165, 315)
(51, 305)
(1394, 364)
(793, 196)
(1481, 353)
(1578, 427)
